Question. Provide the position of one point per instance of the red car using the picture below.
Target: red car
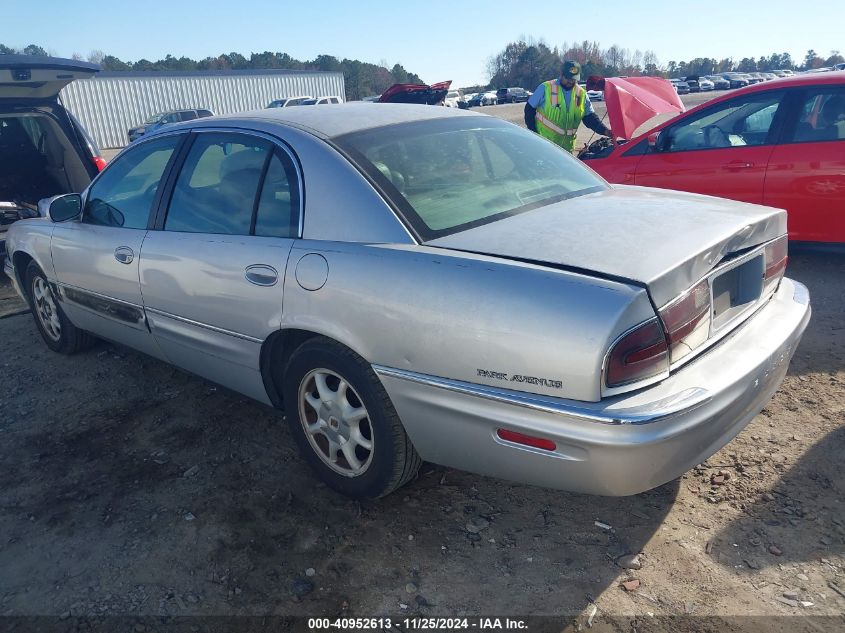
(779, 143)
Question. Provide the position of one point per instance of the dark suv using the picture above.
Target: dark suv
(164, 118)
(44, 151)
(512, 95)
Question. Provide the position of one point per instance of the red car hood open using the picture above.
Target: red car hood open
(416, 93)
(633, 101)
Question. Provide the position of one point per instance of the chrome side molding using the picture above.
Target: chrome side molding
(677, 404)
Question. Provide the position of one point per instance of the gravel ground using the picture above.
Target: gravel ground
(130, 488)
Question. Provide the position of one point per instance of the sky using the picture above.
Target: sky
(436, 39)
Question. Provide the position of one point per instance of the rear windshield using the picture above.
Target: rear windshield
(448, 175)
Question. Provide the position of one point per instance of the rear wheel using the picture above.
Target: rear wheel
(58, 332)
(344, 422)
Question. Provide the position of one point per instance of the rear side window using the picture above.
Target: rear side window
(188, 115)
(822, 117)
(233, 184)
(123, 195)
(217, 188)
(204, 113)
(278, 207)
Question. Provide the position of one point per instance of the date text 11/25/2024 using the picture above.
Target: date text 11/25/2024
(428, 624)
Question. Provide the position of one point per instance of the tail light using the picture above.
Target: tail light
(776, 259)
(684, 324)
(100, 163)
(639, 354)
(687, 320)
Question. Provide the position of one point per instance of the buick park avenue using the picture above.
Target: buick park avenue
(418, 283)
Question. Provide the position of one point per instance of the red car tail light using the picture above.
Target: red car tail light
(641, 353)
(687, 320)
(100, 163)
(776, 259)
(526, 440)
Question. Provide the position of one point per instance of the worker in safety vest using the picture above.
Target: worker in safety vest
(558, 107)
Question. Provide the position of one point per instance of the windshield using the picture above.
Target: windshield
(448, 175)
(154, 118)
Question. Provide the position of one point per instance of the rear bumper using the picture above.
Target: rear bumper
(619, 446)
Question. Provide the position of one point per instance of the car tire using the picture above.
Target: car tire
(58, 332)
(351, 435)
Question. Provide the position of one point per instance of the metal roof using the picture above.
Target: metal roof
(109, 104)
(150, 74)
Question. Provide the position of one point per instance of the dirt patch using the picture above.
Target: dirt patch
(10, 301)
(130, 488)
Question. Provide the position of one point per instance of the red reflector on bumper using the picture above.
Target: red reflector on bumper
(526, 440)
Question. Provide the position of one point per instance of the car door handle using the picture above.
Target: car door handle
(261, 275)
(738, 164)
(124, 254)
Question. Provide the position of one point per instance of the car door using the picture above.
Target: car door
(721, 151)
(806, 173)
(96, 258)
(212, 271)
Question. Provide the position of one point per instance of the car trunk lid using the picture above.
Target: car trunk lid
(29, 78)
(664, 240)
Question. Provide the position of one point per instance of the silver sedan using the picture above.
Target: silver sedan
(415, 283)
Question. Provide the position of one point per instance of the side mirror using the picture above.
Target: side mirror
(62, 208)
(653, 141)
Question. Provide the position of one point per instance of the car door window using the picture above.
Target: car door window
(123, 195)
(822, 117)
(278, 207)
(188, 115)
(217, 188)
(738, 122)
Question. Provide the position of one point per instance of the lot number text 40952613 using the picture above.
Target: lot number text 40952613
(427, 624)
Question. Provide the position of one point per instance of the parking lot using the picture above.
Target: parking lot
(130, 488)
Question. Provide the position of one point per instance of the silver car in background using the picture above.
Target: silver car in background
(414, 283)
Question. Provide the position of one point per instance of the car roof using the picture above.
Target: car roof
(348, 117)
(177, 110)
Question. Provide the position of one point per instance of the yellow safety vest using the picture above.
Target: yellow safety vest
(554, 120)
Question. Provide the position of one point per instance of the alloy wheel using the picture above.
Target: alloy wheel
(46, 308)
(336, 422)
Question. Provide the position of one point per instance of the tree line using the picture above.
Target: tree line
(528, 63)
(361, 79)
(525, 63)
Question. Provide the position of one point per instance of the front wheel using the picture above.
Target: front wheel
(58, 332)
(344, 422)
